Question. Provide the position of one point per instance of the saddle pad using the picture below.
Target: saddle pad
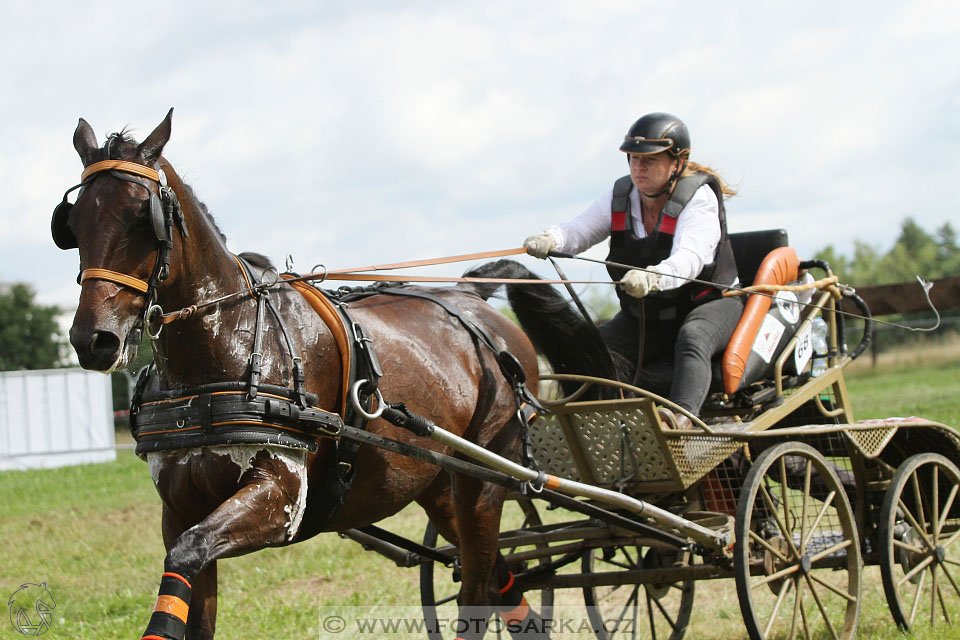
(334, 321)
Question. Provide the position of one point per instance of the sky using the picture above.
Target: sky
(350, 133)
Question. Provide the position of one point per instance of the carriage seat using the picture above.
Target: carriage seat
(780, 266)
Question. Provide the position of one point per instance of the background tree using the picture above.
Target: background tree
(29, 335)
(916, 252)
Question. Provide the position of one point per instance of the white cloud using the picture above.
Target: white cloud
(350, 133)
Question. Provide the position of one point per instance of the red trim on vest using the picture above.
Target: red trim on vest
(618, 220)
(668, 225)
(703, 293)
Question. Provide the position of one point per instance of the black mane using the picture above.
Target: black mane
(113, 149)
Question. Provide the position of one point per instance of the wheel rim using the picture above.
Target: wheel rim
(438, 591)
(797, 553)
(657, 611)
(920, 551)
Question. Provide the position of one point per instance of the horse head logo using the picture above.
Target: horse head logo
(30, 608)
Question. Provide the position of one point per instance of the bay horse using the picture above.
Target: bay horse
(222, 501)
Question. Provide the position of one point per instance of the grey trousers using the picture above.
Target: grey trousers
(676, 355)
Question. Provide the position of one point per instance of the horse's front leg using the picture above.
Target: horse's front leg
(202, 618)
(264, 511)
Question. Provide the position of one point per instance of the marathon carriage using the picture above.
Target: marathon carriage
(777, 486)
(265, 391)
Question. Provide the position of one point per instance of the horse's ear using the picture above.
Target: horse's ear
(151, 148)
(84, 141)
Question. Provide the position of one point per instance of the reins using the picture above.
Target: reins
(365, 274)
(153, 315)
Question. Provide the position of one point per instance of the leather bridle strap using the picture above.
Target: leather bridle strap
(117, 278)
(136, 169)
(121, 165)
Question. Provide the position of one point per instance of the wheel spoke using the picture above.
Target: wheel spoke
(776, 516)
(826, 552)
(916, 598)
(653, 628)
(783, 493)
(923, 564)
(951, 539)
(663, 611)
(943, 606)
(820, 514)
(803, 513)
(443, 601)
(921, 531)
(775, 576)
(797, 598)
(946, 509)
(823, 611)
(836, 590)
(776, 607)
(915, 483)
(766, 545)
(908, 547)
(933, 595)
(803, 614)
(631, 602)
(950, 579)
(935, 497)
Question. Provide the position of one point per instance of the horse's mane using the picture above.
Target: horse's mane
(111, 151)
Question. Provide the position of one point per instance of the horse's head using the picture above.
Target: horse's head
(122, 223)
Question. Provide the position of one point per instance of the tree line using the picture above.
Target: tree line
(915, 252)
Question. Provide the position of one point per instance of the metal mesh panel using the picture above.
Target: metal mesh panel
(550, 449)
(872, 441)
(696, 455)
(720, 488)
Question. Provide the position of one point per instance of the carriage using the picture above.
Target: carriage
(777, 486)
(255, 436)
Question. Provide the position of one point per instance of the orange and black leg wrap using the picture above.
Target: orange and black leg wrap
(513, 607)
(169, 619)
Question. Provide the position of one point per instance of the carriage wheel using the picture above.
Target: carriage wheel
(631, 610)
(919, 552)
(797, 553)
(440, 585)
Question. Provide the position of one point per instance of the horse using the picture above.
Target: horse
(147, 243)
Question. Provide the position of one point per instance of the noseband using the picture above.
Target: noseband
(165, 211)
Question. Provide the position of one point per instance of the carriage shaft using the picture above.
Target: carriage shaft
(712, 539)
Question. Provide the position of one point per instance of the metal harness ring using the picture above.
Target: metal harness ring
(153, 313)
(355, 400)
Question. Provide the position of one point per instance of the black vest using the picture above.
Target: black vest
(627, 248)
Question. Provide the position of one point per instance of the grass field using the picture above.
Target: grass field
(92, 534)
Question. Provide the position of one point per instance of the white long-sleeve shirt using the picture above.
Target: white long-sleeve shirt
(694, 242)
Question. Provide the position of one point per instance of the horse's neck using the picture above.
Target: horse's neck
(213, 345)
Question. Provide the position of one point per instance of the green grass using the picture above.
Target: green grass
(93, 534)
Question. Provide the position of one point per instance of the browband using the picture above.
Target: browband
(117, 278)
(121, 165)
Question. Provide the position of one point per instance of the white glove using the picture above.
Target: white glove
(639, 283)
(540, 245)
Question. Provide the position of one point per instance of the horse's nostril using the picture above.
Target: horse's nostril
(104, 342)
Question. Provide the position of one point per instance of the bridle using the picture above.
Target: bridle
(165, 211)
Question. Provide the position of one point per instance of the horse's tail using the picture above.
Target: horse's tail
(568, 340)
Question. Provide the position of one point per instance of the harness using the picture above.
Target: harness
(233, 412)
(627, 248)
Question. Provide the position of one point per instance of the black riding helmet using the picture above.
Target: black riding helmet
(656, 132)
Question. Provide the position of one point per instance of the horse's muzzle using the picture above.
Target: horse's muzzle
(96, 350)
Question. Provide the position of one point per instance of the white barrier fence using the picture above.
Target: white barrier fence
(54, 418)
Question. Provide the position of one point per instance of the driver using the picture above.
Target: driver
(666, 216)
